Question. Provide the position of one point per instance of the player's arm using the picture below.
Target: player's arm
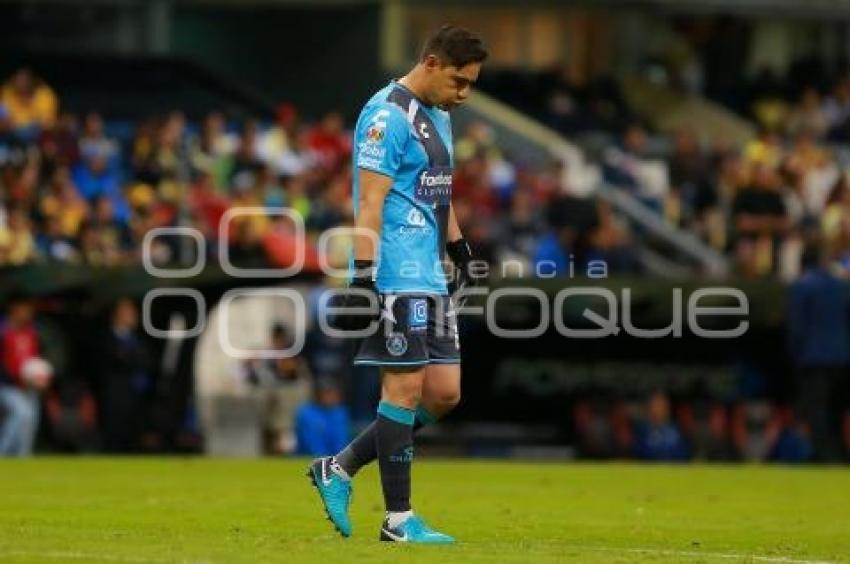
(379, 149)
(374, 188)
(454, 232)
(458, 250)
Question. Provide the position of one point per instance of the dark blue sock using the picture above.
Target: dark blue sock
(394, 434)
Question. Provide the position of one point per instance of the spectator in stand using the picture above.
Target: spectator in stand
(808, 115)
(207, 205)
(836, 108)
(521, 228)
(171, 165)
(330, 142)
(31, 103)
(58, 145)
(53, 245)
(835, 221)
(94, 178)
(12, 148)
(756, 428)
(765, 150)
(760, 219)
(704, 423)
(161, 157)
(473, 185)
(297, 196)
(567, 247)
(22, 191)
(115, 234)
(25, 375)
(282, 385)
(94, 141)
(322, 425)
(210, 152)
(609, 242)
(298, 158)
(658, 437)
(125, 381)
(333, 208)
(64, 203)
(602, 427)
(246, 161)
(17, 242)
(71, 412)
(819, 344)
(631, 167)
(691, 182)
(815, 173)
(553, 254)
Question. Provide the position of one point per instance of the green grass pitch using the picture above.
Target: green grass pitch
(202, 510)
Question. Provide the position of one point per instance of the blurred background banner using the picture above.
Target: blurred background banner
(682, 145)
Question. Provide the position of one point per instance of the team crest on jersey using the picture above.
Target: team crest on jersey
(375, 134)
(396, 344)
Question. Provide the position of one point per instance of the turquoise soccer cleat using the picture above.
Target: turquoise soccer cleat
(335, 492)
(413, 530)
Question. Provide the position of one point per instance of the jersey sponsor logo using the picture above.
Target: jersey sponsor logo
(369, 162)
(396, 344)
(418, 312)
(375, 134)
(371, 150)
(434, 185)
(417, 224)
(415, 218)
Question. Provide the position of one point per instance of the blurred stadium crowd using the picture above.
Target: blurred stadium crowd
(78, 190)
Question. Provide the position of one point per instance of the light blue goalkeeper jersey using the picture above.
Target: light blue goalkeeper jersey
(399, 136)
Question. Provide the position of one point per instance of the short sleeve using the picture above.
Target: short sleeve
(382, 135)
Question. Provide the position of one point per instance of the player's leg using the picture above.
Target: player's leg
(400, 350)
(400, 396)
(441, 388)
(401, 390)
(441, 383)
(440, 392)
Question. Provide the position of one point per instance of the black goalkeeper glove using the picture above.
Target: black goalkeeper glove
(465, 275)
(365, 300)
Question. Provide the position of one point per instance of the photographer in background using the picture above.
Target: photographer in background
(281, 384)
(24, 376)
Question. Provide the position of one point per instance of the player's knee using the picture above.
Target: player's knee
(403, 393)
(447, 400)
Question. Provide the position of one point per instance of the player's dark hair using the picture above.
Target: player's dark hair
(455, 46)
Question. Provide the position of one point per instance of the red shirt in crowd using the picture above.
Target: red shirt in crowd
(331, 146)
(19, 344)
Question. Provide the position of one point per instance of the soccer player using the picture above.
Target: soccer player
(402, 193)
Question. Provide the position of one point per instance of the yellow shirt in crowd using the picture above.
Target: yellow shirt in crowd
(40, 109)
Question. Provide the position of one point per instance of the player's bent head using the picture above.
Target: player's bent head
(452, 58)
